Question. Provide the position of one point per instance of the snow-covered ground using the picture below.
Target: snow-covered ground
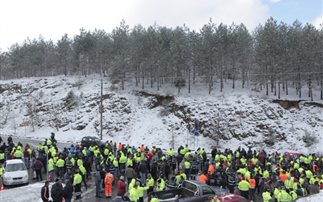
(313, 198)
(234, 117)
(21, 194)
(30, 193)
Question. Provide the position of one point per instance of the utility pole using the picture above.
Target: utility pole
(173, 140)
(101, 106)
(47, 165)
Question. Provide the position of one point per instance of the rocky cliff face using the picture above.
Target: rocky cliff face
(259, 122)
(71, 105)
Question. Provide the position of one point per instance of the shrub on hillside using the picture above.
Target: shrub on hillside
(309, 139)
(70, 100)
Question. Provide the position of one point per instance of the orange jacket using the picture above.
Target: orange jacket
(119, 146)
(252, 183)
(203, 178)
(142, 148)
(108, 178)
(283, 177)
(211, 169)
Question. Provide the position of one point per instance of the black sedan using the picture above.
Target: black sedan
(91, 140)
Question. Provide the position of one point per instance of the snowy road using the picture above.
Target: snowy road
(34, 142)
(31, 192)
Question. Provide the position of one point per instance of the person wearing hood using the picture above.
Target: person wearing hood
(137, 192)
(121, 187)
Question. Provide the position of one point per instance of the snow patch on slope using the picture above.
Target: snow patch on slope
(232, 118)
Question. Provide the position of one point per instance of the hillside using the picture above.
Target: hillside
(69, 106)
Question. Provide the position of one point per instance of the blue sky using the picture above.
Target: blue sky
(52, 19)
(289, 10)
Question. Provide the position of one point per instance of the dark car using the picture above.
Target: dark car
(195, 191)
(91, 140)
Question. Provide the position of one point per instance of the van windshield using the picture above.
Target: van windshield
(15, 167)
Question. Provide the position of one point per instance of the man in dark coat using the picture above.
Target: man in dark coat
(143, 170)
(231, 181)
(98, 182)
(57, 191)
(68, 191)
(9, 140)
(45, 192)
(314, 188)
(130, 173)
(38, 165)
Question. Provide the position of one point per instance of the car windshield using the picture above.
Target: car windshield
(15, 167)
(190, 186)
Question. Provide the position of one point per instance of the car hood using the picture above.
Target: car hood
(20, 173)
(231, 197)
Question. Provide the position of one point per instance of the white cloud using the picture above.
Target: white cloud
(51, 19)
(275, 1)
(318, 22)
(196, 13)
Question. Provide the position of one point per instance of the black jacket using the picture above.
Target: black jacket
(38, 165)
(143, 167)
(68, 190)
(44, 193)
(57, 192)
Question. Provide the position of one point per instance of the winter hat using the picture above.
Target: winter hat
(121, 177)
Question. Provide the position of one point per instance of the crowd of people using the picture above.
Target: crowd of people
(136, 172)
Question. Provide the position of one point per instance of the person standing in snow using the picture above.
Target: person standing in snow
(143, 170)
(121, 186)
(53, 140)
(45, 192)
(1, 176)
(26, 154)
(60, 164)
(2, 154)
(9, 140)
(130, 174)
(108, 180)
(57, 191)
(38, 165)
(244, 187)
(98, 182)
(77, 182)
(68, 191)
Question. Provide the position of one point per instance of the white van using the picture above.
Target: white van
(15, 172)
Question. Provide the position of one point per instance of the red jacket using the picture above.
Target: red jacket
(150, 155)
(26, 153)
(121, 188)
